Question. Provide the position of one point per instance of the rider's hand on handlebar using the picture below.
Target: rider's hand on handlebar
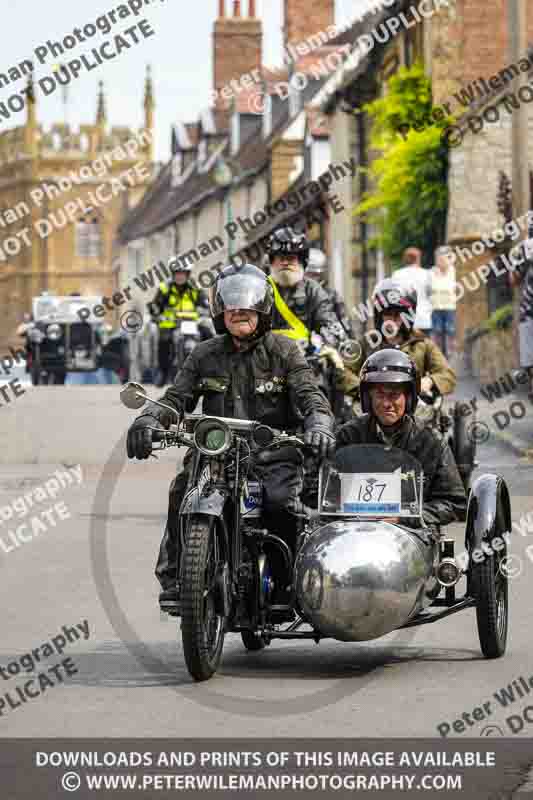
(321, 439)
(139, 441)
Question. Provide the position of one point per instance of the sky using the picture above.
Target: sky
(179, 52)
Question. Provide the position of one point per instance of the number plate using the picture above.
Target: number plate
(82, 361)
(189, 327)
(372, 493)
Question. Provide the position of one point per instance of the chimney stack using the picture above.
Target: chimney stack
(303, 19)
(238, 46)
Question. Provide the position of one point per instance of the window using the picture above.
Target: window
(88, 237)
(499, 293)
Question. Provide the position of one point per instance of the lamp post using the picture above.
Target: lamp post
(223, 177)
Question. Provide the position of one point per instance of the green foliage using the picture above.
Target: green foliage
(500, 319)
(409, 198)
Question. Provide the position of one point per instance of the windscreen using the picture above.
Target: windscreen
(240, 291)
(64, 309)
(372, 481)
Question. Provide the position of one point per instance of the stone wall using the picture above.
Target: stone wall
(492, 356)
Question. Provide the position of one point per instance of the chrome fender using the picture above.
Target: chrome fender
(356, 580)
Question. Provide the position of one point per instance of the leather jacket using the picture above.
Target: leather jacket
(312, 305)
(270, 381)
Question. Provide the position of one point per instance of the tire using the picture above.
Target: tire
(35, 374)
(203, 639)
(492, 609)
(252, 641)
(59, 378)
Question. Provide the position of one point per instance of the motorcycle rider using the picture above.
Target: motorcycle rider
(248, 373)
(394, 314)
(179, 299)
(317, 271)
(301, 305)
(389, 387)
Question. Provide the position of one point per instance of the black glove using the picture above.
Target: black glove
(139, 441)
(319, 434)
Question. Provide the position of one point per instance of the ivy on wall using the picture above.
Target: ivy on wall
(408, 200)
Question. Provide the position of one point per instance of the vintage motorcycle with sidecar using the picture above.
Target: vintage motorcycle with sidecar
(364, 564)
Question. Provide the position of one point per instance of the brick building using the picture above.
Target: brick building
(271, 143)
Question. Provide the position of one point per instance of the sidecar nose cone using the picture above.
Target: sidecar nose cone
(357, 581)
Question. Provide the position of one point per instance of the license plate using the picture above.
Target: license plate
(83, 361)
(372, 493)
(189, 328)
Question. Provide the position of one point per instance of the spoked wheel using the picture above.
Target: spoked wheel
(252, 641)
(202, 614)
(490, 585)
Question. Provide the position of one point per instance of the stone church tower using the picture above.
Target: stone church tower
(62, 195)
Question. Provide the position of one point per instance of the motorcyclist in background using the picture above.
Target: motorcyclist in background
(246, 373)
(301, 306)
(317, 270)
(389, 387)
(394, 314)
(176, 301)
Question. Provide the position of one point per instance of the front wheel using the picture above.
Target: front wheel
(492, 609)
(202, 598)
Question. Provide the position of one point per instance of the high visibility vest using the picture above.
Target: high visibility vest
(180, 305)
(296, 330)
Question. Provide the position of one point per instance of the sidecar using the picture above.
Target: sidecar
(370, 566)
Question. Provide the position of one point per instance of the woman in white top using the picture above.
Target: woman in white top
(443, 301)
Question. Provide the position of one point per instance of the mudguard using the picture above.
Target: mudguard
(212, 505)
(489, 511)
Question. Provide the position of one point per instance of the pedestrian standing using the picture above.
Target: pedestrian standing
(443, 301)
(523, 275)
(412, 275)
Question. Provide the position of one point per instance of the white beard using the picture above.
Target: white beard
(288, 277)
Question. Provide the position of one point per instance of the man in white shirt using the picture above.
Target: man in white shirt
(413, 276)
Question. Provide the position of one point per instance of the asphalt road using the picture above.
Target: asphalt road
(97, 566)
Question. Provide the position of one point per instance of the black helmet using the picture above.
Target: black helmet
(389, 366)
(391, 296)
(244, 287)
(317, 263)
(175, 266)
(286, 241)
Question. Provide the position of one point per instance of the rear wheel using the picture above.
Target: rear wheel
(492, 611)
(202, 612)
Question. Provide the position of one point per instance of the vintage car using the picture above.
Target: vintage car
(59, 342)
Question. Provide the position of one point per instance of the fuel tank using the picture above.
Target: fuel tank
(358, 580)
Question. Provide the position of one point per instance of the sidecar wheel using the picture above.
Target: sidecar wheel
(202, 620)
(492, 610)
(252, 641)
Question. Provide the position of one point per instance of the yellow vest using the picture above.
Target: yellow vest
(179, 306)
(297, 330)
